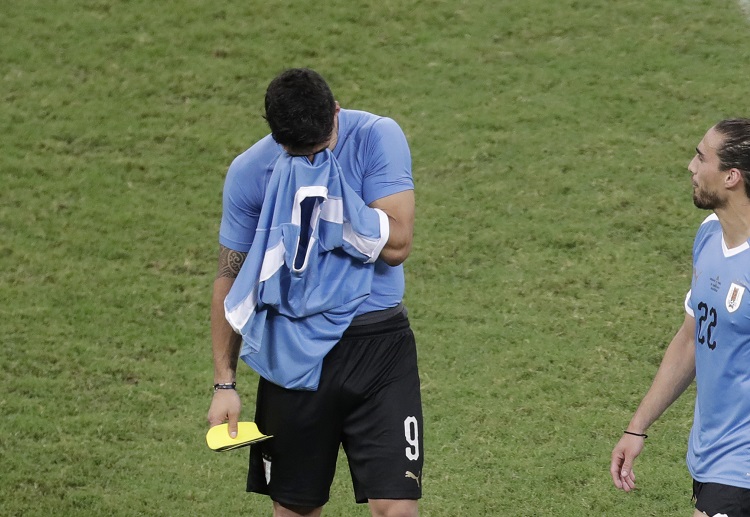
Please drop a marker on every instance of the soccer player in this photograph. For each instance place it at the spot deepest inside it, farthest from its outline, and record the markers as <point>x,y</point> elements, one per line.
<point>368,397</point>
<point>713,344</point>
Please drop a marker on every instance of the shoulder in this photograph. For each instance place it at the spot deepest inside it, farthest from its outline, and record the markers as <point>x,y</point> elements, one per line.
<point>363,122</point>
<point>248,175</point>
<point>709,228</point>
<point>257,159</point>
<point>710,224</point>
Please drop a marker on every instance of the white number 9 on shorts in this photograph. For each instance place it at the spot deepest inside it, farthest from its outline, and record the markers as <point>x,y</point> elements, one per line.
<point>411,432</point>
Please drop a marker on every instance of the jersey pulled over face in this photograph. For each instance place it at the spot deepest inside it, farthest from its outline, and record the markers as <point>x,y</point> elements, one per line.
<point>376,162</point>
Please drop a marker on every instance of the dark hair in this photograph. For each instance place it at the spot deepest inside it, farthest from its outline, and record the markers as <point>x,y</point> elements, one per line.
<point>735,148</point>
<point>300,109</point>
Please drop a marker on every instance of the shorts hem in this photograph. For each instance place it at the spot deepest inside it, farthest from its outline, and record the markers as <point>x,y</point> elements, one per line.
<point>287,500</point>
<point>400,496</point>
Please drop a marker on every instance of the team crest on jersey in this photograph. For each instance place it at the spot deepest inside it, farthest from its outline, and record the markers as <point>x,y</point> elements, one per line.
<point>734,297</point>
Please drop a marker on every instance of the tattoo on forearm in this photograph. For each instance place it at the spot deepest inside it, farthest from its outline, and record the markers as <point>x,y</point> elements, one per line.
<point>230,262</point>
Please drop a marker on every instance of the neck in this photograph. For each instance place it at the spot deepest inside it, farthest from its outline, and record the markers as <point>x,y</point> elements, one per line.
<point>735,222</point>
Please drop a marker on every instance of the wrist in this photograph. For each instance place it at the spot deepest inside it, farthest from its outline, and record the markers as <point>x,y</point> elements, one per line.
<point>637,425</point>
<point>225,376</point>
<point>225,386</point>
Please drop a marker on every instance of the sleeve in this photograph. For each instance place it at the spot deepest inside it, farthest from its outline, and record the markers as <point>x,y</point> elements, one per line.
<point>388,169</point>
<point>241,204</point>
<point>689,305</point>
<point>688,296</point>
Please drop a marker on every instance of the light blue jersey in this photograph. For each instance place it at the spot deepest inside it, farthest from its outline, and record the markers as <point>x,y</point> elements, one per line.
<point>309,269</point>
<point>719,446</point>
<point>375,159</point>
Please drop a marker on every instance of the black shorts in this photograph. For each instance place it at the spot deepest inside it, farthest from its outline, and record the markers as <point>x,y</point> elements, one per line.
<point>713,498</point>
<point>368,400</point>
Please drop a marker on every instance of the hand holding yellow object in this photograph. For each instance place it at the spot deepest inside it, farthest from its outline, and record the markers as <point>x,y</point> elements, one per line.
<point>218,438</point>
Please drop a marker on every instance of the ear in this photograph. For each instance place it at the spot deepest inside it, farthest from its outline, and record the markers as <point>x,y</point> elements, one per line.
<point>733,178</point>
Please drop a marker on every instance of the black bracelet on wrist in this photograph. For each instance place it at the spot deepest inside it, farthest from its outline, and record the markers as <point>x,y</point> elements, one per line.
<point>224,386</point>
<point>644,436</point>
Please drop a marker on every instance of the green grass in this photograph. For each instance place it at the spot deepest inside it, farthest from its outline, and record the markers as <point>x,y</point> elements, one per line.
<point>550,142</point>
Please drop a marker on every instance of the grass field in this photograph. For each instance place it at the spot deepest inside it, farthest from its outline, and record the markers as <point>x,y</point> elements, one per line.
<point>550,142</point>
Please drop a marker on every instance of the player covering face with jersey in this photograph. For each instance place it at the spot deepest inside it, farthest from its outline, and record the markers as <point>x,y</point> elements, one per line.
<point>368,396</point>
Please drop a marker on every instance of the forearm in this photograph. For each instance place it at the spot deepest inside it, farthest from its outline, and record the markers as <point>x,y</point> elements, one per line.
<point>398,247</point>
<point>400,211</point>
<point>676,372</point>
<point>225,342</point>
<point>225,404</point>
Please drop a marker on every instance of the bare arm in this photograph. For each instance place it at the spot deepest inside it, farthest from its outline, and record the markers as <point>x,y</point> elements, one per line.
<point>676,372</point>
<point>400,211</point>
<point>226,343</point>
<point>225,405</point>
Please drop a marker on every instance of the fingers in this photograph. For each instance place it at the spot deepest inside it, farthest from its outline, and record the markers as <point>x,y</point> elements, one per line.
<point>622,476</point>
<point>213,422</point>
<point>214,416</point>
<point>233,425</point>
<point>626,474</point>
<point>623,479</point>
<point>225,407</point>
<point>233,412</point>
<point>615,470</point>
<point>627,478</point>
<point>621,468</point>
